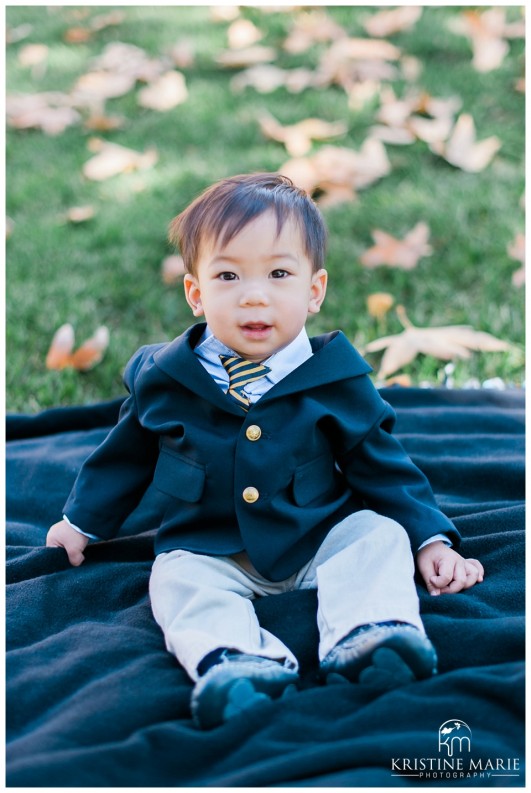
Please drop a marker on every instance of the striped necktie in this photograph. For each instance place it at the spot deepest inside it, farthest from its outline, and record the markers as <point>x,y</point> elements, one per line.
<point>240,373</point>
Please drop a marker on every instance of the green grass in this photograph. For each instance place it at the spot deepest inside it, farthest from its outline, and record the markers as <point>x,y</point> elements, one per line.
<point>107,270</point>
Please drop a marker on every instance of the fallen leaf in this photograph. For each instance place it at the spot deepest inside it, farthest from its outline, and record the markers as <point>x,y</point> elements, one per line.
<point>379,303</point>
<point>402,253</point>
<point>487,32</point>
<point>248,56</point>
<point>183,53</point>
<point>297,138</point>
<point>312,27</point>
<point>102,85</point>
<point>130,60</point>
<point>385,23</point>
<point>172,269</point>
<point>243,33</point>
<point>99,122</point>
<point>266,78</point>
<point>463,150</point>
<point>224,13</point>
<point>516,250</point>
<point>80,214</point>
<point>59,354</point>
<point>91,351</point>
<point>77,35</point>
<point>101,21</point>
<point>112,159</point>
<point>445,343</point>
<point>32,54</point>
<point>50,111</point>
<point>302,173</point>
<point>165,93</point>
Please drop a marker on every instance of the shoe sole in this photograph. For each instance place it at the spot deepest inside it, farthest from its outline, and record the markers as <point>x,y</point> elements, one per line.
<point>211,694</point>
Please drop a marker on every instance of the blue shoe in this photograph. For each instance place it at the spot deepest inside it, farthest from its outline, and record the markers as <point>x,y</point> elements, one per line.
<point>235,684</point>
<point>381,655</point>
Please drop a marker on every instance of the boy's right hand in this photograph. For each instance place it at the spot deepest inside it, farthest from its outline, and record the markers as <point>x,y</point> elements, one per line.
<point>62,535</point>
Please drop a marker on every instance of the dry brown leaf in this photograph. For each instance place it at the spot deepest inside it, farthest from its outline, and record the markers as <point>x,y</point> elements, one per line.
<point>312,27</point>
<point>403,126</point>
<point>266,78</point>
<point>339,172</point>
<point>172,269</point>
<point>80,214</point>
<point>102,85</point>
<point>112,159</point>
<point>385,23</point>
<point>297,138</point>
<point>402,253</point>
<point>224,13</point>
<point>59,354</point>
<point>487,32</point>
<point>99,122</point>
<point>165,93</point>
<point>183,53</point>
<point>445,343</point>
<point>32,55</point>
<point>91,351</point>
<point>516,250</point>
<point>463,150</point>
<point>430,130</point>
<point>101,21</point>
<point>249,56</point>
<point>128,59</point>
<point>49,111</point>
<point>77,35</point>
<point>243,33</point>
<point>379,303</point>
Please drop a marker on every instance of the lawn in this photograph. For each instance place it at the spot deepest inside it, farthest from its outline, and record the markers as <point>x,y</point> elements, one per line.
<point>107,270</point>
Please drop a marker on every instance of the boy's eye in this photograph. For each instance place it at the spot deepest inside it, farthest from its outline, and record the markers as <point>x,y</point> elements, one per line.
<point>227,276</point>
<point>279,274</point>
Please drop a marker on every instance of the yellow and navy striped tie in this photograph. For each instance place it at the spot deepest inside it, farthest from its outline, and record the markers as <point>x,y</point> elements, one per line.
<point>240,373</point>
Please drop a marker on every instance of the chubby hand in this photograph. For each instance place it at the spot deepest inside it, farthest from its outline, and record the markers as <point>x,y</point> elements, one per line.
<point>62,535</point>
<point>444,571</point>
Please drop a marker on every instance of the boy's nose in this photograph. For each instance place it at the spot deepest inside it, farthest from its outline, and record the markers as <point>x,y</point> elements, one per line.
<point>254,295</point>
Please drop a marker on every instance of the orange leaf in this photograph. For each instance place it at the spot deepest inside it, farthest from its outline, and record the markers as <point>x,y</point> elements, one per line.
<point>394,252</point>
<point>379,303</point>
<point>77,35</point>
<point>165,93</point>
<point>445,343</point>
<point>463,150</point>
<point>60,351</point>
<point>91,351</point>
<point>385,23</point>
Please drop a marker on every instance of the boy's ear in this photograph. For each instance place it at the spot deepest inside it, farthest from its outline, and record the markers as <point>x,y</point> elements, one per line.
<point>193,294</point>
<point>317,291</point>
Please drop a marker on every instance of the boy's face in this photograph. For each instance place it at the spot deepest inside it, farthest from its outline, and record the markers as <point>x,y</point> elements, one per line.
<point>257,291</point>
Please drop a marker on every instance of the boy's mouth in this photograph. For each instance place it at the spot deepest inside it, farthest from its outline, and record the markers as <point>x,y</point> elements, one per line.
<point>255,330</point>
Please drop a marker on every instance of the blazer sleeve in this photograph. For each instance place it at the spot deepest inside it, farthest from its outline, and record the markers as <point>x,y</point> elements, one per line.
<point>381,472</point>
<point>113,479</point>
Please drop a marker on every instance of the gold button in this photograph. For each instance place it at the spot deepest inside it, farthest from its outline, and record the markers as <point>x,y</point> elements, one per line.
<point>253,432</point>
<point>251,494</point>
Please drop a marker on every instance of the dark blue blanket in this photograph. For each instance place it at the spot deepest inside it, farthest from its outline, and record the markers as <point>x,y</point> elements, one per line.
<point>94,699</point>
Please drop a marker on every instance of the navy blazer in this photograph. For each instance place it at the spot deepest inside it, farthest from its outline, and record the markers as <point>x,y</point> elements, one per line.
<point>273,481</point>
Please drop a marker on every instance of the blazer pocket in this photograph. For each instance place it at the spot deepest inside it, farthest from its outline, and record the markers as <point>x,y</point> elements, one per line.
<point>313,479</point>
<point>179,476</point>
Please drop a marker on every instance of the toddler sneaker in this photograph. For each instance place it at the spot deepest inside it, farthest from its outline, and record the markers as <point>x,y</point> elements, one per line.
<point>382,655</point>
<point>236,683</point>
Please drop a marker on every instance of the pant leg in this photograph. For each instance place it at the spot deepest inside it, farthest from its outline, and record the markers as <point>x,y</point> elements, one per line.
<point>203,603</point>
<point>364,572</point>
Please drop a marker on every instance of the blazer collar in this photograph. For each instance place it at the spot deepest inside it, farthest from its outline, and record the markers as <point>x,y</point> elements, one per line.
<point>334,359</point>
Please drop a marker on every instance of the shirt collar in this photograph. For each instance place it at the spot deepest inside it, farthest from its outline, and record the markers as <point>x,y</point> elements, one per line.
<point>281,363</point>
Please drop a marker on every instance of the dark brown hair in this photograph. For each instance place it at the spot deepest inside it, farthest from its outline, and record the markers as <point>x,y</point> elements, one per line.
<point>223,209</point>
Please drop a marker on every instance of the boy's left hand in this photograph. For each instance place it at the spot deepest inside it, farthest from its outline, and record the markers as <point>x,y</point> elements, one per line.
<point>444,571</point>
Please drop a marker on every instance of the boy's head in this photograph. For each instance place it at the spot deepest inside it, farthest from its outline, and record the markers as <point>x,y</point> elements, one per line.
<point>253,247</point>
<point>222,210</point>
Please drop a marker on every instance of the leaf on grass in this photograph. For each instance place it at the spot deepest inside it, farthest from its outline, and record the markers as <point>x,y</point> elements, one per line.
<point>402,123</point>
<point>112,159</point>
<point>266,78</point>
<point>463,150</point>
<point>402,253</point>
<point>61,355</point>
<point>224,13</point>
<point>312,27</point>
<point>172,269</point>
<point>50,111</point>
<point>339,172</point>
<point>102,85</point>
<point>385,23</point>
<point>130,60</point>
<point>32,55</point>
<point>77,35</point>
<point>182,53</point>
<point>379,303</point>
<point>297,138</point>
<point>243,33</point>
<point>249,56</point>
<point>445,343</point>
<point>60,352</point>
<point>165,93</point>
<point>112,18</point>
<point>487,31</point>
<point>98,121</point>
<point>516,250</point>
<point>80,214</point>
